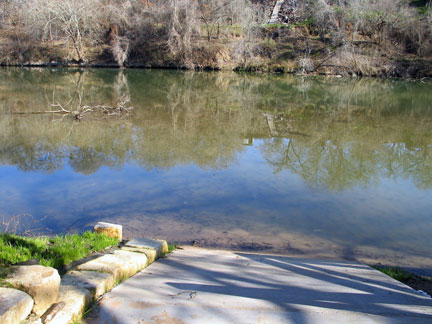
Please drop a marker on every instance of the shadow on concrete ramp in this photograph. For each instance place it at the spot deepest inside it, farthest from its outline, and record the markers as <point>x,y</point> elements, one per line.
<point>205,286</point>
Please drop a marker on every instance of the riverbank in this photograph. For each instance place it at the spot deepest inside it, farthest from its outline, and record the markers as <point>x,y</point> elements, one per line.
<point>294,49</point>
<point>326,60</point>
<point>366,38</point>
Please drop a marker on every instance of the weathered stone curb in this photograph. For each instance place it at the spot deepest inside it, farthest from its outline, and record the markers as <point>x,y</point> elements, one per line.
<point>62,302</point>
<point>76,299</point>
<point>121,264</point>
<point>15,305</point>
<point>153,249</point>
<point>98,283</point>
<point>41,283</point>
<point>150,254</point>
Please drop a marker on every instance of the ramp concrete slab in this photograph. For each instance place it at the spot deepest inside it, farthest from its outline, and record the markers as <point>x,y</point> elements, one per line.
<point>195,286</point>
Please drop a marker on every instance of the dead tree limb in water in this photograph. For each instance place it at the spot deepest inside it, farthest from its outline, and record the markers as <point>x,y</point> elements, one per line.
<point>83,111</point>
<point>120,110</point>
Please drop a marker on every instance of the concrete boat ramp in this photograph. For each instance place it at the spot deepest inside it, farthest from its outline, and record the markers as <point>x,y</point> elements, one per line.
<point>198,286</point>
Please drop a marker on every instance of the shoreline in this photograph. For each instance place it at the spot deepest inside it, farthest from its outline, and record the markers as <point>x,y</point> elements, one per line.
<point>253,69</point>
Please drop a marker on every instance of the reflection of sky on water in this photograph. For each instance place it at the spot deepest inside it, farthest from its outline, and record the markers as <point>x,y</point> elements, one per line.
<point>338,164</point>
<point>247,195</point>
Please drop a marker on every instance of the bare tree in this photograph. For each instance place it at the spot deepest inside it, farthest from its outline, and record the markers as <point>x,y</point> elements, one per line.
<point>73,20</point>
<point>250,18</point>
<point>212,14</point>
<point>327,18</point>
<point>184,26</point>
<point>120,49</point>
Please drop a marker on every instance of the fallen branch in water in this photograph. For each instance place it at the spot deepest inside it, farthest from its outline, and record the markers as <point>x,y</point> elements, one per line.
<point>83,111</point>
<point>120,109</point>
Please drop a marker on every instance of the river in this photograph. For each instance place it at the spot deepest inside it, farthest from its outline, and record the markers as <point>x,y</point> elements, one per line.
<point>312,166</point>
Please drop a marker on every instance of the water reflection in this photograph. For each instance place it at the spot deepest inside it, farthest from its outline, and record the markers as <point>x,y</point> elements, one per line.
<point>300,165</point>
<point>334,134</point>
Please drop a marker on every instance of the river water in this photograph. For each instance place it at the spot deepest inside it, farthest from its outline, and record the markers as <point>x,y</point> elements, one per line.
<point>301,166</point>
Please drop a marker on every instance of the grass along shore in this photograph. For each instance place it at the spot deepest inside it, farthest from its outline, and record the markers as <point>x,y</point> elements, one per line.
<point>410,279</point>
<point>56,252</point>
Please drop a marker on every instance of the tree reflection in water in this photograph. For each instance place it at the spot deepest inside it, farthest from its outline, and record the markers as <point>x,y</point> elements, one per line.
<point>335,134</point>
<point>314,166</point>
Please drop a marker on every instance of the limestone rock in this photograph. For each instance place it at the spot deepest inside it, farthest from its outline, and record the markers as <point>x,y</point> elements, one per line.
<point>41,283</point>
<point>75,299</point>
<point>151,254</point>
<point>98,283</point>
<point>122,264</point>
<point>111,230</point>
<point>164,246</point>
<point>160,246</point>
<point>15,305</point>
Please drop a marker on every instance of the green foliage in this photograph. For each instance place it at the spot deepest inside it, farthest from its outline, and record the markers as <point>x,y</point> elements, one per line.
<point>423,10</point>
<point>339,10</point>
<point>171,247</point>
<point>306,22</point>
<point>269,43</point>
<point>234,29</point>
<point>395,273</point>
<point>14,249</point>
<point>272,26</point>
<point>53,252</point>
<point>119,279</point>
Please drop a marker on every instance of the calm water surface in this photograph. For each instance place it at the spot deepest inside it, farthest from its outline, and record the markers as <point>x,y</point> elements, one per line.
<point>304,166</point>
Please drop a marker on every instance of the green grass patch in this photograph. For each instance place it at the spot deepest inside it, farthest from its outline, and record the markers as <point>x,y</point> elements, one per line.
<point>395,273</point>
<point>306,22</point>
<point>236,29</point>
<point>88,308</point>
<point>54,252</point>
<point>118,280</point>
<point>273,26</point>
<point>171,247</point>
<point>286,55</point>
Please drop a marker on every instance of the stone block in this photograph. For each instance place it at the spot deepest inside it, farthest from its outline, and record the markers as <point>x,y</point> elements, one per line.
<point>160,246</point>
<point>164,245</point>
<point>121,264</point>
<point>151,254</point>
<point>111,230</point>
<point>98,283</point>
<point>75,299</point>
<point>15,306</point>
<point>41,283</point>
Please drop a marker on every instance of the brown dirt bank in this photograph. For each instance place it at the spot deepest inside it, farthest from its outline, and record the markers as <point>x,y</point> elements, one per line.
<point>415,69</point>
<point>280,50</point>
